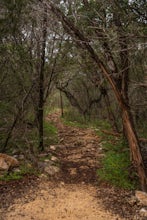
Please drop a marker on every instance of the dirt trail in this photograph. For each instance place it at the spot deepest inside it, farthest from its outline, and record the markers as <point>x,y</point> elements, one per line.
<point>69,202</point>
<point>79,153</point>
<point>72,194</point>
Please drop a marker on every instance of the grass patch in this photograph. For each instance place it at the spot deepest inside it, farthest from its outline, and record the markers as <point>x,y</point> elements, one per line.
<point>75,123</point>
<point>116,166</point>
<point>115,170</point>
<point>11,176</point>
<point>24,169</point>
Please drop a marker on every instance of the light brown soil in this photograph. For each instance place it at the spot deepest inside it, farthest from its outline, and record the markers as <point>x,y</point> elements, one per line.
<point>69,202</point>
<point>74,193</point>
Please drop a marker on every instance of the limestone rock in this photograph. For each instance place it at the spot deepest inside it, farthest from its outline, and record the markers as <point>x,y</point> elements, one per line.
<point>3,164</point>
<point>84,167</point>
<point>53,158</point>
<point>143,212</point>
<point>62,183</point>
<point>48,161</point>
<point>142,197</point>
<point>73,171</point>
<point>52,147</point>
<point>7,162</point>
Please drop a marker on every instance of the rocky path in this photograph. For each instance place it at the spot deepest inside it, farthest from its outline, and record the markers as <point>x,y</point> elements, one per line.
<point>79,153</point>
<point>74,192</point>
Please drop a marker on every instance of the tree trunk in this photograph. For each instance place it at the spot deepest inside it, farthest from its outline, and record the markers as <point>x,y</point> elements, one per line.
<point>135,149</point>
<point>130,132</point>
<point>41,82</point>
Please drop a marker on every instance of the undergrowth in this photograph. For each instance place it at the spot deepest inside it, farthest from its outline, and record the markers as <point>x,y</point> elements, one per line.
<point>74,119</point>
<point>24,169</point>
<point>18,144</point>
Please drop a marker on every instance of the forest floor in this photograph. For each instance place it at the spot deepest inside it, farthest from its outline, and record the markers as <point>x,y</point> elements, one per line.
<point>74,193</point>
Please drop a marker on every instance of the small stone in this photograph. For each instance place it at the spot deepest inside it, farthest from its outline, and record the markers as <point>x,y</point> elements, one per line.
<point>73,171</point>
<point>52,147</point>
<point>142,197</point>
<point>43,191</point>
<point>16,156</point>
<point>62,183</point>
<point>53,158</point>
<point>83,167</point>
<point>61,140</point>
<point>143,212</point>
<point>47,160</point>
